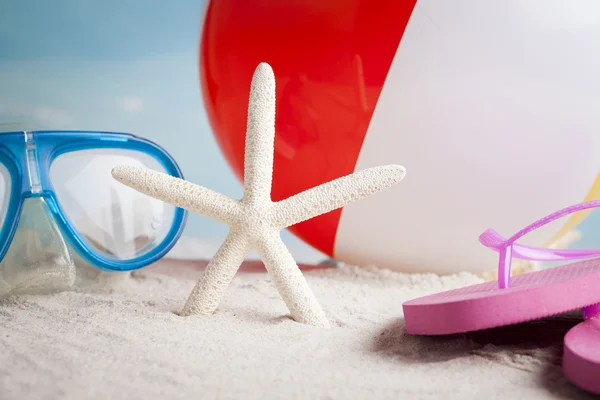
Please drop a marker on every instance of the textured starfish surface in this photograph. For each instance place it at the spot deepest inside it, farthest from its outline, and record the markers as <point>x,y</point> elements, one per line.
<point>255,221</point>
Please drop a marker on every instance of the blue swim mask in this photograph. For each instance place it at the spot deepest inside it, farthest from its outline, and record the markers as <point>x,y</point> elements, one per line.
<point>57,195</point>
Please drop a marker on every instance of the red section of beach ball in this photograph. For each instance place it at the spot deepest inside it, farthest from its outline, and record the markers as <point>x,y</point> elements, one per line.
<point>330,61</point>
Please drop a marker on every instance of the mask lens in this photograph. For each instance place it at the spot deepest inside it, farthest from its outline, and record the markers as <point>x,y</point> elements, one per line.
<point>5,186</point>
<point>116,221</point>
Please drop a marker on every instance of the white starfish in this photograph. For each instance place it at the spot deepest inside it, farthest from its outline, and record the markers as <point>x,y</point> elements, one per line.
<point>255,221</point>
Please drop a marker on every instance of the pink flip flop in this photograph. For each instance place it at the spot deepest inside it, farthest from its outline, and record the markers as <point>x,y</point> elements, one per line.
<point>524,298</point>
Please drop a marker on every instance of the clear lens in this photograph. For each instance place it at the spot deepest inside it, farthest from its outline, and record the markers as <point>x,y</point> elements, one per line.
<point>116,221</point>
<point>5,186</point>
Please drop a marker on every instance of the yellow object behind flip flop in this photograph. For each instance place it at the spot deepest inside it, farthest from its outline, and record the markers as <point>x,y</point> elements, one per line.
<point>577,218</point>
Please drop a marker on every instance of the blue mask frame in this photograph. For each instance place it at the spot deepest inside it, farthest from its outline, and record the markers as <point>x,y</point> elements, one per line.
<point>18,150</point>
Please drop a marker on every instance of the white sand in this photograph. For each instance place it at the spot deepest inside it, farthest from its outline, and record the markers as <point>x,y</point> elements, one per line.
<point>120,339</point>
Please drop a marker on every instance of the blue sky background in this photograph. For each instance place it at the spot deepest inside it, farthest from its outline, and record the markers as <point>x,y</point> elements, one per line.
<point>118,65</point>
<point>125,65</point>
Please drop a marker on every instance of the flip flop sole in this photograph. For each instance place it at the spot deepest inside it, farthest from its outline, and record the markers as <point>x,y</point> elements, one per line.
<point>581,356</point>
<point>531,296</point>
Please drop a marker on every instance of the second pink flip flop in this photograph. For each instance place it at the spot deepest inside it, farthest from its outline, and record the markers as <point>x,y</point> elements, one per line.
<point>524,298</point>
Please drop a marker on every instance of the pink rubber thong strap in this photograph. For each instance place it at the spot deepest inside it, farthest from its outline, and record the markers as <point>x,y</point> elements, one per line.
<point>509,249</point>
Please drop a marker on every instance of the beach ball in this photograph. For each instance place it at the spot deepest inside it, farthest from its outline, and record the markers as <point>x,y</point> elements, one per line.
<point>492,106</point>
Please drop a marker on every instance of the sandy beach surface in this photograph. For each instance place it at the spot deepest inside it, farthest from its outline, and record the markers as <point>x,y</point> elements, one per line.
<point>118,336</point>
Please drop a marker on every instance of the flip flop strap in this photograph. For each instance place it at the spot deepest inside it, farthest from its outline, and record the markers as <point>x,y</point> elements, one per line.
<point>507,248</point>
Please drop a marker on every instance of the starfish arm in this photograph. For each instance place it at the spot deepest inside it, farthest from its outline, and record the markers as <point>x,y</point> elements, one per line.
<point>260,136</point>
<point>335,194</point>
<point>290,282</point>
<point>209,290</point>
<point>178,192</point>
